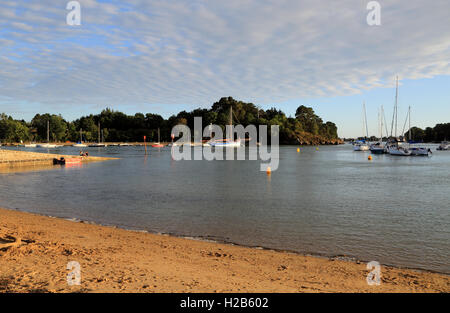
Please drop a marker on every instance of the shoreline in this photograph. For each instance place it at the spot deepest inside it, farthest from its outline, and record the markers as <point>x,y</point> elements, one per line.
<point>346,258</point>
<point>168,263</point>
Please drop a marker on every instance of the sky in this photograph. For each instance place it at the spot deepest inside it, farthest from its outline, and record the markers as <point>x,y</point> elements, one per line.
<point>163,57</point>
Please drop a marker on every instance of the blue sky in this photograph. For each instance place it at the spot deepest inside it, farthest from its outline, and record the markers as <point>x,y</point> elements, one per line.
<point>166,56</point>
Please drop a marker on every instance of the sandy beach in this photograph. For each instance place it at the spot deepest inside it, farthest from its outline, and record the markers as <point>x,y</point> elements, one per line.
<point>35,251</point>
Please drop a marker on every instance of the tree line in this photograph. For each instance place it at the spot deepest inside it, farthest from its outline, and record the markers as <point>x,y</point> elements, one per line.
<point>438,133</point>
<point>120,127</point>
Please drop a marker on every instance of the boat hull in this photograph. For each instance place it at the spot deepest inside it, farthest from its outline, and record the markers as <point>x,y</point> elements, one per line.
<point>227,144</point>
<point>399,152</point>
<point>419,151</point>
<point>361,148</point>
<point>377,150</point>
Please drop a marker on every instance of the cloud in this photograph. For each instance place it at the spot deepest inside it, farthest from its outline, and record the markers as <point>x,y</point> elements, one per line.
<point>193,52</point>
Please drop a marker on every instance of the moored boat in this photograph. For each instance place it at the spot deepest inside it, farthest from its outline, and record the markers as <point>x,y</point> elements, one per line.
<point>67,161</point>
<point>80,144</point>
<point>158,144</point>
<point>445,145</point>
<point>225,143</point>
<point>229,142</point>
<point>361,146</point>
<point>420,151</point>
<point>378,148</point>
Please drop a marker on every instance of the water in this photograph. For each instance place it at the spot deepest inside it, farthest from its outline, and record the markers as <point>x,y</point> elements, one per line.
<point>333,201</point>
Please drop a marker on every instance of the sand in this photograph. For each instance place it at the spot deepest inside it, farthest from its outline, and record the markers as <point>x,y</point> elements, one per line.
<point>10,159</point>
<point>35,251</point>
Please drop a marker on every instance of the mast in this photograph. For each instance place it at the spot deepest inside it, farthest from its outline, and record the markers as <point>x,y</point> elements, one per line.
<point>81,135</point>
<point>380,124</point>
<point>394,113</point>
<point>231,123</point>
<point>409,114</point>
<point>48,131</point>
<point>158,136</point>
<point>365,121</point>
<point>384,118</point>
<point>396,107</point>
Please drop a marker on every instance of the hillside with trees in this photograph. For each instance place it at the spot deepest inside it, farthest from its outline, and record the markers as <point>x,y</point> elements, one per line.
<point>305,128</point>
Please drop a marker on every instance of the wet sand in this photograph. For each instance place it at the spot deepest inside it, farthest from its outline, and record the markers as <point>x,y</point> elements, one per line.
<point>35,250</point>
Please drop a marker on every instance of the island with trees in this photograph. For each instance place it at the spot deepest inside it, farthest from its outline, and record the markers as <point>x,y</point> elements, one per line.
<point>305,128</point>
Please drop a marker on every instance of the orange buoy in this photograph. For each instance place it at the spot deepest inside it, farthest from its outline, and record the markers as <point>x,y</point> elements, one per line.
<point>268,170</point>
<point>370,158</point>
<point>298,149</point>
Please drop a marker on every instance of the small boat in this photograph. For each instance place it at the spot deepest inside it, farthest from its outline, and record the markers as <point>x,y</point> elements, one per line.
<point>444,146</point>
<point>97,145</point>
<point>46,145</point>
<point>30,145</point>
<point>361,145</point>
<point>158,144</point>
<point>225,143</point>
<point>378,148</point>
<point>100,143</point>
<point>420,151</point>
<point>125,144</point>
<point>64,161</point>
<point>80,144</point>
<point>398,149</point>
<point>229,142</point>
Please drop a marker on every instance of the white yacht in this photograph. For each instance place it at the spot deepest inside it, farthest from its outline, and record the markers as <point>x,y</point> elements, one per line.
<point>445,145</point>
<point>80,144</point>
<point>362,145</point>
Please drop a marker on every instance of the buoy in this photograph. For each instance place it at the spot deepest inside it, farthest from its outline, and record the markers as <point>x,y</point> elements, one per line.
<point>298,149</point>
<point>317,148</point>
<point>269,170</point>
<point>370,158</point>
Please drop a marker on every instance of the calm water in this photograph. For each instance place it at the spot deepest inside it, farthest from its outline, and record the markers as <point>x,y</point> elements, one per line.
<point>394,210</point>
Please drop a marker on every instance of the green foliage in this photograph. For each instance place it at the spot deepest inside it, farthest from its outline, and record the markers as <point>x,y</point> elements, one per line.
<point>13,131</point>
<point>57,127</point>
<point>438,133</point>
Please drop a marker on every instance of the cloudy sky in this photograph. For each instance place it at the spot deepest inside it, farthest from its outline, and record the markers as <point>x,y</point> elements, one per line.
<point>166,56</point>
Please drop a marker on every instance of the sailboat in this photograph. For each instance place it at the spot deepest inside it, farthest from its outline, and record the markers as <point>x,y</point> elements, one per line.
<point>445,145</point>
<point>80,144</point>
<point>361,145</point>
<point>419,151</point>
<point>379,147</point>
<point>99,144</point>
<point>158,144</point>
<point>229,142</point>
<point>47,145</point>
<point>395,145</point>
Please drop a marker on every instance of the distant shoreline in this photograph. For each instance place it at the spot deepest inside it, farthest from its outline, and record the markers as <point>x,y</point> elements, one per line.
<point>118,260</point>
